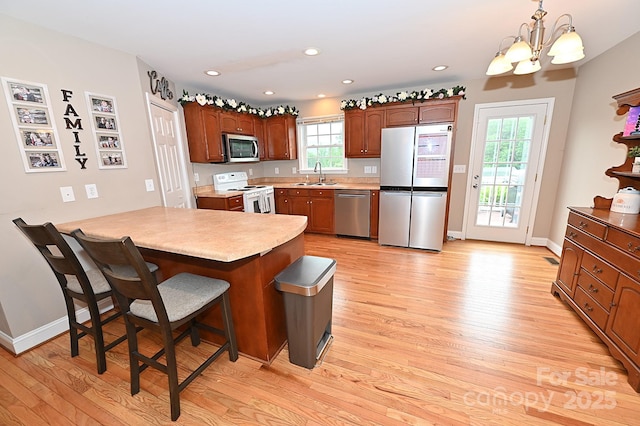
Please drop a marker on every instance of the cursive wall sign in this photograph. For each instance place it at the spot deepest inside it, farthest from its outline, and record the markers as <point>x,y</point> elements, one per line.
<point>81,157</point>
<point>160,86</point>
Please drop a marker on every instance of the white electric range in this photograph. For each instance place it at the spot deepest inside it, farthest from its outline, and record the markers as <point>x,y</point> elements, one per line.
<point>256,198</point>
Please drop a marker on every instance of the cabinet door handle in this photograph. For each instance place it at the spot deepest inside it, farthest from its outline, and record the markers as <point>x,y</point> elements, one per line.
<point>582,225</point>
<point>572,234</point>
<point>587,307</point>
<point>597,270</point>
<point>592,289</point>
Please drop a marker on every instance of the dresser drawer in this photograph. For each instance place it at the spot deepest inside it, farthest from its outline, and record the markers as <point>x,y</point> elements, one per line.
<point>590,307</point>
<point>589,226</point>
<point>600,269</point>
<point>597,290</point>
<point>298,192</point>
<point>626,242</point>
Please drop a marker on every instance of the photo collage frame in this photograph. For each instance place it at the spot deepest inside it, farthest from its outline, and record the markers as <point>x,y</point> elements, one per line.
<point>32,117</point>
<point>106,130</point>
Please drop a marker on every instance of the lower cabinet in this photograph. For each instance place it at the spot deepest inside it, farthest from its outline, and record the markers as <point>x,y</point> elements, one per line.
<point>374,215</point>
<point>599,277</point>
<point>315,204</point>
<point>235,203</point>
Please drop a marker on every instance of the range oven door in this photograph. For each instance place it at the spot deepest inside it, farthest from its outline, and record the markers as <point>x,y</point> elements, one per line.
<point>262,201</point>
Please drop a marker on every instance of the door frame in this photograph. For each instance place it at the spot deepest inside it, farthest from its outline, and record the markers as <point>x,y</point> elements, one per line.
<point>546,131</point>
<point>173,109</point>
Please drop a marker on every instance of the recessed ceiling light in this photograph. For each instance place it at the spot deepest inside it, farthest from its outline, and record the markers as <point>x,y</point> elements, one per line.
<point>347,81</point>
<point>322,95</point>
<point>269,92</point>
<point>440,67</point>
<point>312,51</point>
<point>212,72</point>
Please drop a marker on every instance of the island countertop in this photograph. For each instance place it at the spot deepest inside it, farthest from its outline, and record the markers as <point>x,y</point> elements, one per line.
<point>209,234</point>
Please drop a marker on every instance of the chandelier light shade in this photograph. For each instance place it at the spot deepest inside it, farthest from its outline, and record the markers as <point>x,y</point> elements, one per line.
<point>566,46</point>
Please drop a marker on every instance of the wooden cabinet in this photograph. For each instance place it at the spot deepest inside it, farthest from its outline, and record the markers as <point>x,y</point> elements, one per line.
<point>204,136</point>
<point>599,277</point>
<point>438,112</point>
<point>374,214</point>
<point>363,132</point>
<point>316,204</point>
<point>237,123</point>
<point>605,289</point>
<point>258,129</point>
<point>280,133</point>
<point>402,115</point>
<point>234,203</point>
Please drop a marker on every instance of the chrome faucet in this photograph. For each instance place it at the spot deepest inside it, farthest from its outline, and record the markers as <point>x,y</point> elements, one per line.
<point>315,170</point>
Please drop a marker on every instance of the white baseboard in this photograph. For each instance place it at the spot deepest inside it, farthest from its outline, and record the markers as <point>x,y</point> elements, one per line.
<point>539,241</point>
<point>557,249</point>
<point>40,335</point>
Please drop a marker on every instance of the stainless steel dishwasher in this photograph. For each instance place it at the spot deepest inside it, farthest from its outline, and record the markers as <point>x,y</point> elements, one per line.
<point>352,207</point>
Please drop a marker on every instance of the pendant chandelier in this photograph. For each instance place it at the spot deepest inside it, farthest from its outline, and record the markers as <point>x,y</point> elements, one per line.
<point>566,46</point>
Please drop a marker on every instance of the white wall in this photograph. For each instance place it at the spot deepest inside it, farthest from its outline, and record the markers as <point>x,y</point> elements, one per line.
<point>590,150</point>
<point>30,296</point>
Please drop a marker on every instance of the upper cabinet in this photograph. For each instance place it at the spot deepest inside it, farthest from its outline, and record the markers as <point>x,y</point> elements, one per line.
<point>280,133</point>
<point>363,132</point>
<point>237,123</point>
<point>204,135</point>
<point>363,128</point>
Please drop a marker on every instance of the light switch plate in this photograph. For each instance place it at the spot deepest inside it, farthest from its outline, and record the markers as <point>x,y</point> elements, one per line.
<point>367,169</point>
<point>293,170</point>
<point>92,190</point>
<point>250,172</point>
<point>277,170</point>
<point>149,184</point>
<point>459,168</point>
<point>196,177</point>
<point>67,194</point>
<point>374,169</point>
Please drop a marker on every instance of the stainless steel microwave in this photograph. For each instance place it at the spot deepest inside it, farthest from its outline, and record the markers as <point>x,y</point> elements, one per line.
<point>241,148</point>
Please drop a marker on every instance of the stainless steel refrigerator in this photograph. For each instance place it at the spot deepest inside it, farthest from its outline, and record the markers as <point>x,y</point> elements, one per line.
<point>414,185</point>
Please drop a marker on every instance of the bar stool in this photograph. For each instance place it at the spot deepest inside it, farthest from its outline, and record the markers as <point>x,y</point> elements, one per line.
<point>88,286</point>
<point>161,307</point>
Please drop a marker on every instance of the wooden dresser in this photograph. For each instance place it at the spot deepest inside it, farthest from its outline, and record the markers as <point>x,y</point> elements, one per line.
<point>599,277</point>
<point>599,273</point>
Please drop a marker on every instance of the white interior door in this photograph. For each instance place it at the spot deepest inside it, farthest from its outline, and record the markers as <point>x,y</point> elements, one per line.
<point>174,184</point>
<point>509,140</point>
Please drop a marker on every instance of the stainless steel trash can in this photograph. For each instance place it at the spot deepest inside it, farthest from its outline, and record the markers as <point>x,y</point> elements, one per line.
<point>307,287</point>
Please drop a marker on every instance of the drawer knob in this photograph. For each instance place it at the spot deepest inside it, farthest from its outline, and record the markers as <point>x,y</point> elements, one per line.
<point>587,307</point>
<point>597,270</point>
<point>592,289</point>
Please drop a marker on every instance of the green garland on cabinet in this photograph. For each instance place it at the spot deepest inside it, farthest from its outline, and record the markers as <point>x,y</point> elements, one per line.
<point>233,105</point>
<point>422,95</point>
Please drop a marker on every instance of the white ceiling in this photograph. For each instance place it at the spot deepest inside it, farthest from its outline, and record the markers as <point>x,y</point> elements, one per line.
<point>257,44</point>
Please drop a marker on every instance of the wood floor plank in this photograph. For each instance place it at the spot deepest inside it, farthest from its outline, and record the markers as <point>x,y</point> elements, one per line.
<point>468,336</point>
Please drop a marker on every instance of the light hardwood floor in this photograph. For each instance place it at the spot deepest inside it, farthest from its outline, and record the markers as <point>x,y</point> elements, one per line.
<point>469,336</point>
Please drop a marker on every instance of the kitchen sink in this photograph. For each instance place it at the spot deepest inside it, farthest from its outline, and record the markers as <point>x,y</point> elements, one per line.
<point>315,183</point>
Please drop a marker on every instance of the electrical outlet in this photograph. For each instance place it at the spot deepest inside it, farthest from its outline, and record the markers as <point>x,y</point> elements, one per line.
<point>459,168</point>
<point>374,169</point>
<point>250,172</point>
<point>277,170</point>
<point>293,170</point>
<point>149,184</point>
<point>196,177</point>
<point>67,194</point>
<point>92,190</point>
<point>367,169</point>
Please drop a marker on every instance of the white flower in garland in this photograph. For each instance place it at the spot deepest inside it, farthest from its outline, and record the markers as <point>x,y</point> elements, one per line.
<point>201,99</point>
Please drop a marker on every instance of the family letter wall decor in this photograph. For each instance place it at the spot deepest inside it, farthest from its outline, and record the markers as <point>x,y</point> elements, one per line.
<point>106,129</point>
<point>32,117</point>
<point>73,123</point>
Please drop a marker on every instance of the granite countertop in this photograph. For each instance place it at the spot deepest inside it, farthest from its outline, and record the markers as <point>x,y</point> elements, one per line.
<point>208,191</point>
<point>209,234</point>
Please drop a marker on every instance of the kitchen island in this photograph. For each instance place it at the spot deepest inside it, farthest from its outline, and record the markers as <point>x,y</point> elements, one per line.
<point>247,250</point>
